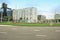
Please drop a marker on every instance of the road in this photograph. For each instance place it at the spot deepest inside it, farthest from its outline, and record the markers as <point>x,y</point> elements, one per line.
<point>29,33</point>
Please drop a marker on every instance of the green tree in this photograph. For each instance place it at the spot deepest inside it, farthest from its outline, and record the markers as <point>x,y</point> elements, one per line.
<point>8,18</point>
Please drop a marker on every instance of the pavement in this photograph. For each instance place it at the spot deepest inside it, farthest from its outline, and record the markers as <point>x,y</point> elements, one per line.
<point>29,33</point>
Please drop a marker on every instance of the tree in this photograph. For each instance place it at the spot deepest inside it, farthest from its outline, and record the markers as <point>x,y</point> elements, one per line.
<point>1,16</point>
<point>8,18</point>
<point>5,12</point>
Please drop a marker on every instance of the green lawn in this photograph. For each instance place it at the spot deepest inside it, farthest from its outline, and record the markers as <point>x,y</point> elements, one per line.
<point>26,24</point>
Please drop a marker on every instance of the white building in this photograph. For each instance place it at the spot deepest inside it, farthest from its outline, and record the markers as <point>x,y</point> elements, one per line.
<point>57,18</point>
<point>25,15</point>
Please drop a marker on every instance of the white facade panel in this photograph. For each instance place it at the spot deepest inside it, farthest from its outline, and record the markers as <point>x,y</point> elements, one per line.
<point>26,14</point>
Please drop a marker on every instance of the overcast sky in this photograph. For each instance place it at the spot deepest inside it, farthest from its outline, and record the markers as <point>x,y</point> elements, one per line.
<point>45,7</point>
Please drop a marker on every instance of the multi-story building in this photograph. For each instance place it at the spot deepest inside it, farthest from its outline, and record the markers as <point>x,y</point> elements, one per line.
<point>25,15</point>
<point>57,18</point>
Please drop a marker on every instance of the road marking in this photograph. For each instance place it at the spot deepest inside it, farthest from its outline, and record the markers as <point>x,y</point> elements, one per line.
<point>57,30</point>
<point>36,30</point>
<point>14,28</point>
<point>41,35</point>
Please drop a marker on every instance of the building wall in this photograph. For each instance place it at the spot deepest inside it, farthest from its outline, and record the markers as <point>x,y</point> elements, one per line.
<point>57,18</point>
<point>25,15</point>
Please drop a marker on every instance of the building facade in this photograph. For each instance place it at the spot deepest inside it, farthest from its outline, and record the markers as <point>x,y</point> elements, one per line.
<point>57,18</point>
<point>25,15</point>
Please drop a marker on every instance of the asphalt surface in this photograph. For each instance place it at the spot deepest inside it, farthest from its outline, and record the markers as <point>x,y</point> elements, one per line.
<point>29,33</point>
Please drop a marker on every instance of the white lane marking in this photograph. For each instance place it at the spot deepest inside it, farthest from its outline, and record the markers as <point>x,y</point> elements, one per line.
<point>36,30</point>
<point>57,30</point>
<point>41,35</point>
<point>14,28</point>
<point>4,32</point>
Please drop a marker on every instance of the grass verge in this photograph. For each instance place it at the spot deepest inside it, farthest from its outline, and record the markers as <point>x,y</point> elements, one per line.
<point>27,24</point>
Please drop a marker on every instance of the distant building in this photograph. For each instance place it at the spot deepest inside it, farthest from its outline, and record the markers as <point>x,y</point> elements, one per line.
<point>25,15</point>
<point>57,18</point>
<point>41,18</point>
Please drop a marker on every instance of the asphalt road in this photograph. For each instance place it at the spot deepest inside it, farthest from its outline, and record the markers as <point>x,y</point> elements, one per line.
<point>29,33</point>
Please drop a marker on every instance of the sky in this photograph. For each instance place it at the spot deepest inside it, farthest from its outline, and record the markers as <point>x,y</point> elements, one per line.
<point>44,7</point>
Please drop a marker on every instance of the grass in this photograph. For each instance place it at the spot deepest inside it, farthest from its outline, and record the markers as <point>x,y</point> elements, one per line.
<point>56,24</point>
<point>31,24</point>
<point>27,24</point>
